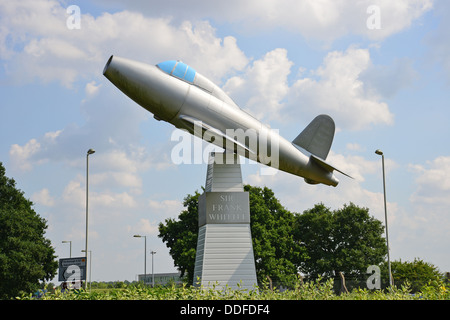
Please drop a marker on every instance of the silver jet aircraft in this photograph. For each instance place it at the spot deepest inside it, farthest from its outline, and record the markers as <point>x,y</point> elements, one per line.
<point>174,92</point>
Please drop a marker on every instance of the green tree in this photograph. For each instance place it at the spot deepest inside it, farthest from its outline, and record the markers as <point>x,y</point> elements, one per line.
<point>274,246</point>
<point>347,240</point>
<point>417,273</point>
<point>271,225</point>
<point>181,236</point>
<point>26,256</point>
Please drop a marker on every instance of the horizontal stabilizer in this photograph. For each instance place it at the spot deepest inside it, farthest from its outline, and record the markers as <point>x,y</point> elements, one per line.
<point>326,165</point>
<point>193,122</point>
<point>317,137</point>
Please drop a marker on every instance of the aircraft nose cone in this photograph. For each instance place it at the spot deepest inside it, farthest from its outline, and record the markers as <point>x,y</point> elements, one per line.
<point>107,65</point>
<point>156,91</point>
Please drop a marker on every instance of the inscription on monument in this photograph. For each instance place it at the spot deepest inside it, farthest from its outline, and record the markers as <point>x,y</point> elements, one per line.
<point>224,207</point>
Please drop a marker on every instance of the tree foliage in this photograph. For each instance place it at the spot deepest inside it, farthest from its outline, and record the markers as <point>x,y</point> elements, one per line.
<point>317,242</point>
<point>271,228</point>
<point>416,274</point>
<point>181,236</point>
<point>347,240</point>
<point>274,246</point>
<point>26,256</point>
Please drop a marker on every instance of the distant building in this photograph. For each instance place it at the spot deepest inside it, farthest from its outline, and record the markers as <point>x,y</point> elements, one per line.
<point>161,278</point>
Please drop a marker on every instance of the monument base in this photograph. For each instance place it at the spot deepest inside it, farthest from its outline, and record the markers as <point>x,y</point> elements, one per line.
<point>224,255</point>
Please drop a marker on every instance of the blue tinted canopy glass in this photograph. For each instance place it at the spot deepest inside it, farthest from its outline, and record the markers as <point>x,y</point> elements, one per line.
<point>178,69</point>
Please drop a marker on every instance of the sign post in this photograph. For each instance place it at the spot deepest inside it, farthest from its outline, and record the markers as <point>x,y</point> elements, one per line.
<point>72,271</point>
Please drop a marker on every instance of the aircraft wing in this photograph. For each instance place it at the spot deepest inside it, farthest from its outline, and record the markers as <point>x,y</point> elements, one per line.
<point>193,122</point>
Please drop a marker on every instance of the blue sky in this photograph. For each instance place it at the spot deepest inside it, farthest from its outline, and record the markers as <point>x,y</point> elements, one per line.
<point>386,86</point>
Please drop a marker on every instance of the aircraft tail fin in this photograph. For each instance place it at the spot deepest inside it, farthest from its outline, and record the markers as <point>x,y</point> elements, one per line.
<point>317,137</point>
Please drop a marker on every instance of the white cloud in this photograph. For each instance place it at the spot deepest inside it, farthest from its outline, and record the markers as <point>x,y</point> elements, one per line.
<point>439,50</point>
<point>433,182</point>
<point>422,228</point>
<point>145,227</point>
<point>112,200</point>
<point>111,171</point>
<point>33,152</point>
<point>355,166</point>
<point>43,198</point>
<point>92,88</point>
<point>20,155</point>
<point>324,20</point>
<point>335,88</point>
<point>354,147</point>
<point>57,48</point>
<point>111,178</point>
<point>75,194</point>
<point>112,129</point>
<point>263,85</point>
<point>168,208</point>
<point>36,43</point>
<point>212,56</point>
<point>395,16</point>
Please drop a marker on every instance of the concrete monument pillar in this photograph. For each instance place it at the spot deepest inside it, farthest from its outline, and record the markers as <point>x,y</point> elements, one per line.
<point>224,247</point>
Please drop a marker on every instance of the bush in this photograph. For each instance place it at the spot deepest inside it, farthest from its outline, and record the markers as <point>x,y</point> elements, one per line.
<point>312,290</point>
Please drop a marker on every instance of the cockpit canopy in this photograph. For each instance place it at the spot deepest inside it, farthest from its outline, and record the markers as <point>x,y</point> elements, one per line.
<point>178,69</point>
<point>184,72</point>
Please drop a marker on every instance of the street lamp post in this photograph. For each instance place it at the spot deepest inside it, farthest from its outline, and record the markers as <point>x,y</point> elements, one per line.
<point>90,151</point>
<point>145,255</point>
<point>380,153</point>
<point>153,274</point>
<point>69,242</point>
<point>90,269</point>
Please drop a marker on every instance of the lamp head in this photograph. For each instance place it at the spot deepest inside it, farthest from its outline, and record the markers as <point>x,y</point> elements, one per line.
<point>379,152</point>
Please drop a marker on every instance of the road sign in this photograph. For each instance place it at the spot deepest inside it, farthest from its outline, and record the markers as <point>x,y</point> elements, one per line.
<point>72,269</point>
